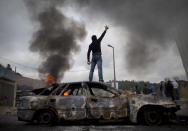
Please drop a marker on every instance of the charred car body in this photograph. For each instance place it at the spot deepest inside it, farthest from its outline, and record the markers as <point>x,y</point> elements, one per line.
<point>94,101</point>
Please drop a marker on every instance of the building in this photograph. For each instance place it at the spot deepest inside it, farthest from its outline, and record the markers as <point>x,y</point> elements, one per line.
<point>8,85</point>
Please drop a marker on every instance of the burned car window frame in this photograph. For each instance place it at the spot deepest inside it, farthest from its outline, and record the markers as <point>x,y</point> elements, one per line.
<point>103,87</point>
<point>72,89</point>
<point>51,89</point>
<point>46,89</point>
<point>102,93</point>
<point>54,93</point>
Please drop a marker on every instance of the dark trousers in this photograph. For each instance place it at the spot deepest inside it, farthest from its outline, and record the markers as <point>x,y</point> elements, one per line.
<point>96,60</point>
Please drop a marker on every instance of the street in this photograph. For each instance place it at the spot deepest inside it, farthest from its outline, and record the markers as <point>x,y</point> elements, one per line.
<point>10,123</point>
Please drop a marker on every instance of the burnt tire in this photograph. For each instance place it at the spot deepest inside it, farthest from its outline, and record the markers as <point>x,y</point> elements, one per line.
<point>46,117</point>
<point>153,116</point>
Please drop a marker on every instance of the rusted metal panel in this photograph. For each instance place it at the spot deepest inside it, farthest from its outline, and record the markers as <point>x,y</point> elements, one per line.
<point>71,107</point>
<point>107,108</point>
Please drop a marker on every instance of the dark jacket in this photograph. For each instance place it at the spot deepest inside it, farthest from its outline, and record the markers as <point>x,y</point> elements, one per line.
<point>95,46</point>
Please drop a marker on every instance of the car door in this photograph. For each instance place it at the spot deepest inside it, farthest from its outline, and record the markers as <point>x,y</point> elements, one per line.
<point>104,103</point>
<point>72,106</point>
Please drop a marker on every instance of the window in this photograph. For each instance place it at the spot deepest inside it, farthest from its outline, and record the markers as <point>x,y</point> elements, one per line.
<point>47,91</point>
<point>60,88</point>
<point>99,92</point>
<point>73,89</point>
<point>75,92</point>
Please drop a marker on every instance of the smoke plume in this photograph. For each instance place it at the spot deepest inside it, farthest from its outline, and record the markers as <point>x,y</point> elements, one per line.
<point>150,23</point>
<point>56,36</point>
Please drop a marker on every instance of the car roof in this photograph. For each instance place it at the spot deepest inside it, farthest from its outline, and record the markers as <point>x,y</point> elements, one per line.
<point>93,82</point>
<point>88,82</point>
<point>79,82</point>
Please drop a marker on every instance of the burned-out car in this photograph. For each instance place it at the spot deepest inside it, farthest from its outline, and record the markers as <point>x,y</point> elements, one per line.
<point>94,101</point>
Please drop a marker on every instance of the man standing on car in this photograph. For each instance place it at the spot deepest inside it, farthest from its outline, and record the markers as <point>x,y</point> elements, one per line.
<point>95,47</point>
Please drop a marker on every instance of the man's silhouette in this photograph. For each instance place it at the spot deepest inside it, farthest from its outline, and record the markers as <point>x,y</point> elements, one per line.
<point>95,47</point>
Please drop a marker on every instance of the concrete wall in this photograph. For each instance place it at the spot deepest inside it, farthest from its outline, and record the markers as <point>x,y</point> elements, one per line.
<point>7,93</point>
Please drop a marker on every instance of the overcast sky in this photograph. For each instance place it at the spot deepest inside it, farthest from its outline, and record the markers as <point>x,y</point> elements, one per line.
<point>16,30</point>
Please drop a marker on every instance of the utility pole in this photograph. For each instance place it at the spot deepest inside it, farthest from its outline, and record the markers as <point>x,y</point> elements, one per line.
<point>114,66</point>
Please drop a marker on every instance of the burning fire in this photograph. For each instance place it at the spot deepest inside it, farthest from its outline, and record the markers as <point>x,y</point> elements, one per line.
<point>66,94</point>
<point>50,79</point>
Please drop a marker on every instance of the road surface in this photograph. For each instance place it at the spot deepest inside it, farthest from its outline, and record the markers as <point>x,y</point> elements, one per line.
<point>10,123</point>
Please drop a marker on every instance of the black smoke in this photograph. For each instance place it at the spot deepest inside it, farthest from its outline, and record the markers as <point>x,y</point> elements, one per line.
<point>151,25</point>
<point>56,36</point>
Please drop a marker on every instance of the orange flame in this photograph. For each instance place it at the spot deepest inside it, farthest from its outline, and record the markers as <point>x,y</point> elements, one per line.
<point>50,79</point>
<point>66,94</point>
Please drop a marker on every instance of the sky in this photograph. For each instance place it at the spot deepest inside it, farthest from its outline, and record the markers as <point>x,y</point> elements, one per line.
<point>17,29</point>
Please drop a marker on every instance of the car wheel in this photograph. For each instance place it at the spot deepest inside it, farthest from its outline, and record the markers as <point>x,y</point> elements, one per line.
<point>46,117</point>
<point>153,116</point>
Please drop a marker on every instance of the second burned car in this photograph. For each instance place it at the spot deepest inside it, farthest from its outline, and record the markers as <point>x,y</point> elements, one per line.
<point>94,101</point>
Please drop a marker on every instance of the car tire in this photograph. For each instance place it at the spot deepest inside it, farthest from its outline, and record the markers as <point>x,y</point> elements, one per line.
<point>153,116</point>
<point>46,117</point>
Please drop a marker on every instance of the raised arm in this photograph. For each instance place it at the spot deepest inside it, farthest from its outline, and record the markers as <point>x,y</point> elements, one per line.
<point>103,34</point>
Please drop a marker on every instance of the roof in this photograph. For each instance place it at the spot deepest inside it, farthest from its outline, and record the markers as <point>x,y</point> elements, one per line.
<point>8,74</point>
<point>79,82</point>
